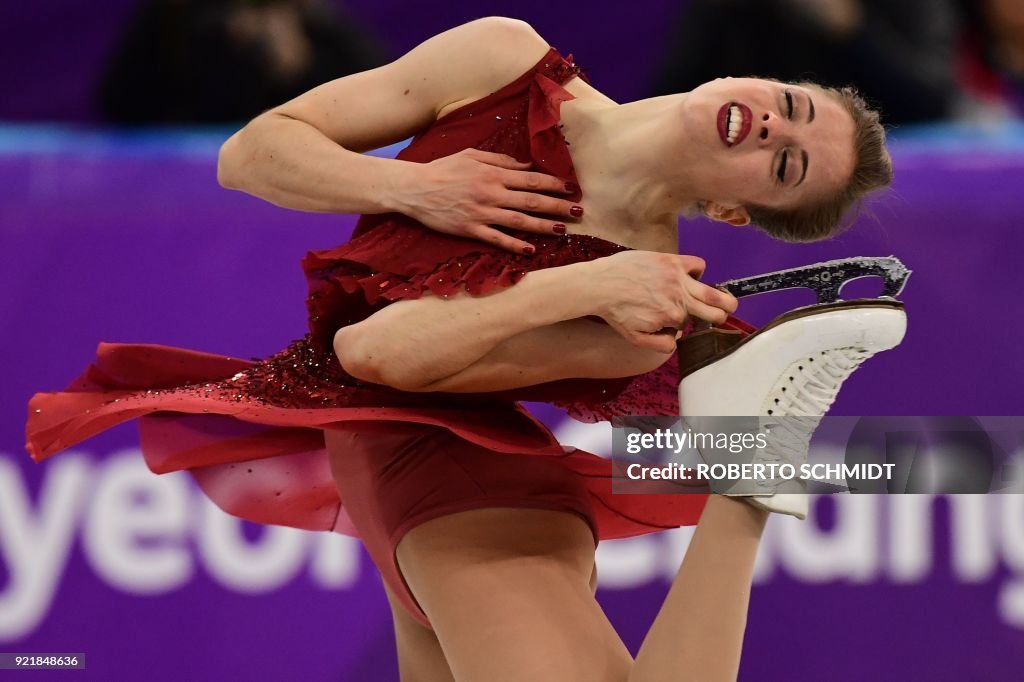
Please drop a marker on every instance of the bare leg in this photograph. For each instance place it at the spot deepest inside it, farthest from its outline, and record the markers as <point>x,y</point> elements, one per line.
<point>420,658</point>
<point>698,634</point>
<point>508,592</point>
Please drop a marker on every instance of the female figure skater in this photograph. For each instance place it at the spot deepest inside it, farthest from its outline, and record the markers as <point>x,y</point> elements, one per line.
<point>426,328</point>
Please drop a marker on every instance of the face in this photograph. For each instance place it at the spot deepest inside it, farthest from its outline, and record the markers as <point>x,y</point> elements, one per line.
<point>771,144</point>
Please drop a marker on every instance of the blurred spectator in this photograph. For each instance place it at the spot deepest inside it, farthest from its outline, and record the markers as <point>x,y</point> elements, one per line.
<point>992,59</point>
<point>228,60</point>
<point>899,53</point>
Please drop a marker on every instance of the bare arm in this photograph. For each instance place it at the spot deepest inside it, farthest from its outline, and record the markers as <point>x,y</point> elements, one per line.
<point>413,344</point>
<point>565,350</point>
<point>306,153</point>
<point>531,333</point>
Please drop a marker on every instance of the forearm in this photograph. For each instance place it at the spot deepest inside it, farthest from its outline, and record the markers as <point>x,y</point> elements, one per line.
<point>574,349</point>
<point>413,344</point>
<point>292,164</point>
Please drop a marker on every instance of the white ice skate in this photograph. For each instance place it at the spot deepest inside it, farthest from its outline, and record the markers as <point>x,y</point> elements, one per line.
<point>789,372</point>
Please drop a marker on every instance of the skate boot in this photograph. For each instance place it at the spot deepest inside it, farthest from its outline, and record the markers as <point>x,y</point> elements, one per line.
<point>788,373</point>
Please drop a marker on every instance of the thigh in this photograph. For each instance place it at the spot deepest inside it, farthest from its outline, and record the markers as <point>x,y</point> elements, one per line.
<point>508,593</point>
<point>420,658</point>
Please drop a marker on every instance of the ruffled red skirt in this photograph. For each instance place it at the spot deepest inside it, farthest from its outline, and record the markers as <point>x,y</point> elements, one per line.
<point>262,459</point>
<point>251,433</point>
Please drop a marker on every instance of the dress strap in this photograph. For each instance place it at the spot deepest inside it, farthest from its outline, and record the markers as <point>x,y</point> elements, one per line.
<point>560,69</point>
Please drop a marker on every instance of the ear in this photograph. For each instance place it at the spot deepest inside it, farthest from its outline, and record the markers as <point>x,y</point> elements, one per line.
<point>736,216</point>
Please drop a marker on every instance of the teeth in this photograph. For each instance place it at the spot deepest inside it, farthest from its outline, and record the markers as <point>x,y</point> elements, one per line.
<point>734,121</point>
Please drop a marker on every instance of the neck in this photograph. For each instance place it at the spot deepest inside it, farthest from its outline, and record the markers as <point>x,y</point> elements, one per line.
<point>633,156</point>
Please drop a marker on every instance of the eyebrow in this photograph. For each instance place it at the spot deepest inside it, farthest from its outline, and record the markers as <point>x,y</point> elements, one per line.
<point>803,156</point>
<point>810,107</point>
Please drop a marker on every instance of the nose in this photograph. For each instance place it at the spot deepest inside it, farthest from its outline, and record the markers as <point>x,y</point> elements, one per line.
<point>772,127</point>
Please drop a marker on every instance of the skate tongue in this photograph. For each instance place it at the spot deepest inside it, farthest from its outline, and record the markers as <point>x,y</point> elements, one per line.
<point>825,279</point>
<point>697,349</point>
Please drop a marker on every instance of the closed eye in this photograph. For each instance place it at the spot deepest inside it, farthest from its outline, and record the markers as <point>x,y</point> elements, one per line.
<point>782,167</point>
<point>789,105</point>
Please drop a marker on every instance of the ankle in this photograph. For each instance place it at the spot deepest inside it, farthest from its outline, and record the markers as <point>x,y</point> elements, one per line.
<point>737,512</point>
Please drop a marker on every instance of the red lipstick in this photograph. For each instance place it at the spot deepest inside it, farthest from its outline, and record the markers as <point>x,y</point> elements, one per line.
<point>745,116</point>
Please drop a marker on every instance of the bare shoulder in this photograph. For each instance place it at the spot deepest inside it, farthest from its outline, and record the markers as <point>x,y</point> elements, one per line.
<point>388,104</point>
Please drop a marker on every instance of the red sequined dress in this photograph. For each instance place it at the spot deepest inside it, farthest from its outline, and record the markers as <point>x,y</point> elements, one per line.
<point>211,415</point>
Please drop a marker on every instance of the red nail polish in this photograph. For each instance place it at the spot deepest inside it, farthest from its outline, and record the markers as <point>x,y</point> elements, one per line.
<point>559,228</point>
<point>572,187</point>
<point>576,211</point>
<point>528,250</point>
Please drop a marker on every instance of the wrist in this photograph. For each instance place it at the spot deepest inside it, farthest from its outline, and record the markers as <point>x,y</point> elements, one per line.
<point>585,285</point>
<point>402,177</point>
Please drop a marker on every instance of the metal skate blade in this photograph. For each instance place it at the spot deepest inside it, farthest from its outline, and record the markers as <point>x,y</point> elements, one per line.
<point>825,279</point>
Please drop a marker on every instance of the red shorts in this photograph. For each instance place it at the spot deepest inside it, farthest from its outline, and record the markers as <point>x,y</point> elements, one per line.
<point>392,480</point>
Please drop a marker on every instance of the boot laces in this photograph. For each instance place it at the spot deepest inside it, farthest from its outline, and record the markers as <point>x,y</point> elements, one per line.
<point>807,391</point>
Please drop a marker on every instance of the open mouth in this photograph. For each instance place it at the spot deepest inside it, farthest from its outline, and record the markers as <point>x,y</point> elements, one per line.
<point>734,122</point>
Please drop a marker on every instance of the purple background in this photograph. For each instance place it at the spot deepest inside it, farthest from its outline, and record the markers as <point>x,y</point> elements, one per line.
<point>55,51</point>
<point>127,237</point>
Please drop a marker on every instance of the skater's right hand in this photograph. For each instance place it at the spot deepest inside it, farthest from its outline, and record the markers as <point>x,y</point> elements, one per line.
<point>471,193</point>
<point>646,296</point>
